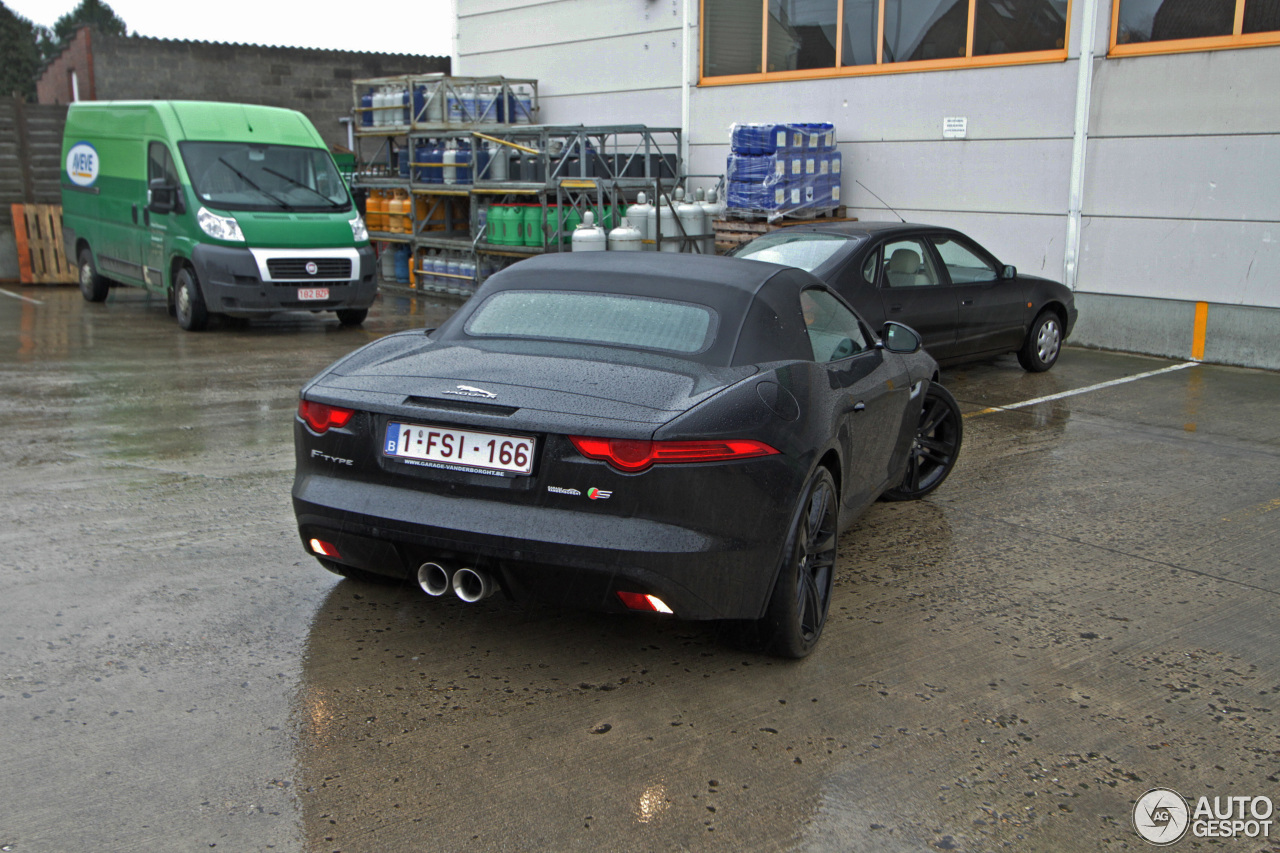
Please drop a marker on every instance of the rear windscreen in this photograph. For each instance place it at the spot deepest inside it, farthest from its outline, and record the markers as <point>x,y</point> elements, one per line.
<point>595,318</point>
<point>805,250</point>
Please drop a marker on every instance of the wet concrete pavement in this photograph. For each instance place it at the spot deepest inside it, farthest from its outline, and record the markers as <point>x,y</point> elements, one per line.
<point>1084,611</point>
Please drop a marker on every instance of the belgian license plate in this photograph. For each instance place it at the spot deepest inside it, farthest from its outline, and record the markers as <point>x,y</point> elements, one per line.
<point>309,293</point>
<point>438,446</point>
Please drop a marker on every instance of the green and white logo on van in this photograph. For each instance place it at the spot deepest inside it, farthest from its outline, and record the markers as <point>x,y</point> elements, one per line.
<point>82,164</point>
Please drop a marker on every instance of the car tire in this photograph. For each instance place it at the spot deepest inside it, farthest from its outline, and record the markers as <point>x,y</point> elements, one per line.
<point>797,609</point>
<point>352,316</point>
<point>934,447</point>
<point>188,302</point>
<point>1043,344</point>
<point>93,286</point>
<point>360,575</point>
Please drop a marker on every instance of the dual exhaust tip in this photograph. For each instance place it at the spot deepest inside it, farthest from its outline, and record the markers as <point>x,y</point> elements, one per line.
<point>470,585</point>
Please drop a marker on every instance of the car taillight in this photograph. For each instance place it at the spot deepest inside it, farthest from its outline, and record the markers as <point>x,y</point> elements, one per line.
<point>633,455</point>
<point>321,417</point>
<point>641,601</point>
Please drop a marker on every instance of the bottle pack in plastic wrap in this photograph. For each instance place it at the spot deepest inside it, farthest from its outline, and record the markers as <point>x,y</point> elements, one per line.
<point>783,169</point>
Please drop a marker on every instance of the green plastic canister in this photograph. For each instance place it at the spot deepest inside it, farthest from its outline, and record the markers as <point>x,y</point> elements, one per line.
<point>532,219</point>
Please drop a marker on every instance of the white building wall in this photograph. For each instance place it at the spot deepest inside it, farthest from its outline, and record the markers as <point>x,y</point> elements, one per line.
<point>1182,181</point>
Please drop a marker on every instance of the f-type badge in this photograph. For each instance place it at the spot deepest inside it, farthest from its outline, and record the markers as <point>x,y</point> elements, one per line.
<point>472,391</point>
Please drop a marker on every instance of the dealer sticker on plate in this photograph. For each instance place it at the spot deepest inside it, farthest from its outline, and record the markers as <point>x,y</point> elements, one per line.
<point>457,448</point>
<point>310,293</point>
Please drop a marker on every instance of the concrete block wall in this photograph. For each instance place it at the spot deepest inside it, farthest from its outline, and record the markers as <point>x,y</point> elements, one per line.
<point>314,82</point>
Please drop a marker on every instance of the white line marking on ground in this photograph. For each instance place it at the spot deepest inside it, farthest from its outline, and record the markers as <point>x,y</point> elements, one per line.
<point>1084,390</point>
<point>20,296</point>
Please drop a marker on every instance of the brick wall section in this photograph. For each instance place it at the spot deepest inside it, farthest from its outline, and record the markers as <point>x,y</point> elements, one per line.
<point>54,85</point>
<point>317,83</point>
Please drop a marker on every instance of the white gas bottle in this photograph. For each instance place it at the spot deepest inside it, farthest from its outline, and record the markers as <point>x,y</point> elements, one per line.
<point>450,164</point>
<point>625,238</point>
<point>699,195</point>
<point>499,160</point>
<point>714,209</point>
<point>641,216</point>
<point>588,237</point>
<point>679,194</point>
<point>666,219</point>
<point>694,222</point>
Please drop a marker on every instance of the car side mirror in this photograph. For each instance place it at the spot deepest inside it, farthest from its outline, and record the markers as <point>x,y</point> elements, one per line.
<point>1009,271</point>
<point>901,339</point>
<point>162,197</point>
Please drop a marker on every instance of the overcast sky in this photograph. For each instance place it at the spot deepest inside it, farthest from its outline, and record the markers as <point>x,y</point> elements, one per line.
<point>417,27</point>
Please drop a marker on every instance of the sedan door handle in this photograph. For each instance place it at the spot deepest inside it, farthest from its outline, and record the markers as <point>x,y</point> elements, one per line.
<point>964,302</point>
<point>895,307</point>
<point>859,406</point>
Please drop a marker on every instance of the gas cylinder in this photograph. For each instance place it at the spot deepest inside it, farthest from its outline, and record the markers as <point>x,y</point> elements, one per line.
<point>625,238</point>
<point>693,221</point>
<point>375,211</point>
<point>366,111</point>
<point>714,209</point>
<point>498,161</point>
<point>462,174</point>
<point>387,263</point>
<point>496,225</point>
<point>641,215</point>
<point>450,159</point>
<point>587,237</point>
<point>402,265</point>
<point>531,220</point>
<point>668,229</point>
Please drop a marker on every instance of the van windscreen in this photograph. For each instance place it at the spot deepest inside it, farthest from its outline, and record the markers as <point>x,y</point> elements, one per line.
<point>244,176</point>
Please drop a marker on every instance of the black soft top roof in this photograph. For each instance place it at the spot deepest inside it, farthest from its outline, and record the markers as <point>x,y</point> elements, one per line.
<point>747,296</point>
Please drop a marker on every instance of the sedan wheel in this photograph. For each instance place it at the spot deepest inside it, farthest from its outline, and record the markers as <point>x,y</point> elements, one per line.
<point>1043,343</point>
<point>802,594</point>
<point>934,448</point>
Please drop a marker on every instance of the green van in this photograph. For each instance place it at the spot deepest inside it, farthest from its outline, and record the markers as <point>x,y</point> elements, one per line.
<point>221,208</point>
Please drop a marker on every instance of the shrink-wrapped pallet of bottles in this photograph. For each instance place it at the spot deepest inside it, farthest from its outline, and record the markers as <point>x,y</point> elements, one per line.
<point>776,170</point>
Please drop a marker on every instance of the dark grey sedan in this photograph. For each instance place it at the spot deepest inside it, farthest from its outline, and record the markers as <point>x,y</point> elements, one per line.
<point>956,294</point>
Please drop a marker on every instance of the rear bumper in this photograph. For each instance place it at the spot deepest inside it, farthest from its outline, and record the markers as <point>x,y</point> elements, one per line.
<point>570,557</point>
<point>232,283</point>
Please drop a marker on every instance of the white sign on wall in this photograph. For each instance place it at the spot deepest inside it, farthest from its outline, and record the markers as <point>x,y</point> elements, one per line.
<point>955,127</point>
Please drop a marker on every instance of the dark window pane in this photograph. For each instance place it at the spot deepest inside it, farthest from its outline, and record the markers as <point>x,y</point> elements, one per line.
<point>733,38</point>
<point>802,34</point>
<point>925,29</point>
<point>1153,20</point>
<point>1015,26</point>
<point>1261,16</point>
<point>860,28</point>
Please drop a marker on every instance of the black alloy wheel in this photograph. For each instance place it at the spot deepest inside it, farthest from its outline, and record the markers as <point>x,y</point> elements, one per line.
<point>934,447</point>
<point>93,287</point>
<point>1043,344</point>
<point>188,302</point>
<point>797,610</point>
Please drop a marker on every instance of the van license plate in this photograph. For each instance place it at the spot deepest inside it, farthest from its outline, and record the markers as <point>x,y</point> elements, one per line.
<point>306,293</point>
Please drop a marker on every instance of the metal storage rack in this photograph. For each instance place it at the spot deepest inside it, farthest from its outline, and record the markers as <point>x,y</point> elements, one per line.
<point>568,169</point>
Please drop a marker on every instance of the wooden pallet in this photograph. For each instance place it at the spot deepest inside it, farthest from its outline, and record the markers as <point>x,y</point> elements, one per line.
<point>734,232</point>
<point>37,230</point>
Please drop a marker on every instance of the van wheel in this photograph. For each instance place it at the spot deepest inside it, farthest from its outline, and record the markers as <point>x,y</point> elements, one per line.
<point>188,302</point>
<point>352,316</point>
<point>92,286</point>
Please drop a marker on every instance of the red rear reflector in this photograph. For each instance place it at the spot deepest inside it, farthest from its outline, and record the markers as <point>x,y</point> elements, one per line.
<point>321,417</point>
<point>325,549</point>
<point>632,455</point>
<point>640,601</point>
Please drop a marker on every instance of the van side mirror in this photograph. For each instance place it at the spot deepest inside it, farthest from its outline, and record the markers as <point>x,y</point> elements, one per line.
<point>1009,271</point>
<point>162,197</point>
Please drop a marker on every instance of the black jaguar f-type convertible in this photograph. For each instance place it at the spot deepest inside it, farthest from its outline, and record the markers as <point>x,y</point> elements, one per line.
<point>624,431</point>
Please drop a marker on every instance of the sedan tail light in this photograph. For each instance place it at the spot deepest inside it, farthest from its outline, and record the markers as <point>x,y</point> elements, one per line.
<point>632,455</point>
<point>321,417</point>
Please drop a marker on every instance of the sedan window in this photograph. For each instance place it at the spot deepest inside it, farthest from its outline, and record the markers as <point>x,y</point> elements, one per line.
<point>908,263</point>
<point>963,264</point>
<point>804,250</point>
<point>834,330</point>
<point>595,318</point>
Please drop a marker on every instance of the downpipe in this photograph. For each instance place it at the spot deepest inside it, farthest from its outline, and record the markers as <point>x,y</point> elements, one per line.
<point>472,585</point>
<point>434,579</point>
